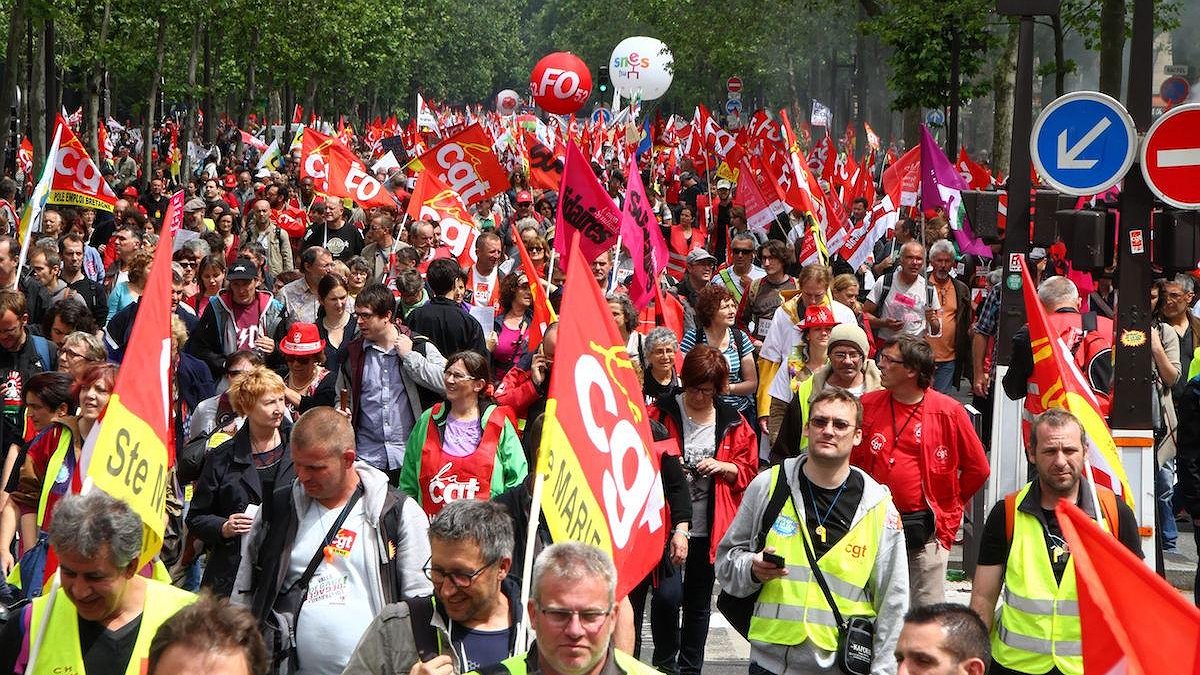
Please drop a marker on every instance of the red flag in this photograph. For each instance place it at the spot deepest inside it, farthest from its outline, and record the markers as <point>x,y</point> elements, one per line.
<point>434,200</point>
<point>976,177</point>
<point>130,452</point>
<point>545,165</point>
<point>466,162</point>
<point>25,156</point>
<point>585,211</point>
<point>902,178</point>
<point>77,180</point>
<point>328,161</point>
<point>760,211</point>
<point>1132,621</point>
<point>543,312</point>
<point>602,480</point>
<point>642,238</point>
<point>298,114</point>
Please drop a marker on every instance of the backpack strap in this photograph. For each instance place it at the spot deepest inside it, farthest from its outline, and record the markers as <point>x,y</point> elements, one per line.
<point>780,493</point>
<point>1087,321</point>
<point>1108,507</point>
<point>425,636</point>
<point>42,346</point>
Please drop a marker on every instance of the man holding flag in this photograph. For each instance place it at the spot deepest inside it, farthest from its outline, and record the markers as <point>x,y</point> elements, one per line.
<point>1022,551</point>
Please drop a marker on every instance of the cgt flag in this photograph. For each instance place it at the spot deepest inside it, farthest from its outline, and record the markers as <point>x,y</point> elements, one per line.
<point>1057,383</point>
<point>129,454</point>
<point>77,180</point>
<point>466,163</point>
<point>602,479</point>
<point>1132,621</point>
<point>435,201</point>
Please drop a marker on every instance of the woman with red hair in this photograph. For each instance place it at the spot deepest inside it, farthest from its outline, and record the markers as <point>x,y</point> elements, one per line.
<point>719,450</point>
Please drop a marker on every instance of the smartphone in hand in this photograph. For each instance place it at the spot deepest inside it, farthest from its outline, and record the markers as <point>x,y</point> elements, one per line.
<point>774,559</point>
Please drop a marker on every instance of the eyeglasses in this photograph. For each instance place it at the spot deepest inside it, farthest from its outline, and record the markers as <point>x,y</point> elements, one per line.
<point>703,391</point>
<point>459,579</point>
<point>187,263</point>
<point>363,316</point>
<point>845,356</point>
<point>70,354</point>
<point>821,422</point>
<point>590,619</point>
<point>742,251</point>
<point>884,358</point>
<point>452,376</point>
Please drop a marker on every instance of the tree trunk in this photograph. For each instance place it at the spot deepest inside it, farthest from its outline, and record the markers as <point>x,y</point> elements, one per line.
<point>911,121</point>
<point>189,116</point>
<point>251,89</point>
<point>1060,60</point>
<point>12,64</point>
<point>793,92</point>
<point>37,98</point>
<point>95,81</point>
<point>1112,46</point>
<point>160,51</point>
<point>860,91</point>
<point>1003,83</point>
<point>210,110</point>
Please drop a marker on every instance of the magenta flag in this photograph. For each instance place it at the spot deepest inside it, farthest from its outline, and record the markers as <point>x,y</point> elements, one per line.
<point>643,239</point>
<point>942,185</point>
<point>585,211</point>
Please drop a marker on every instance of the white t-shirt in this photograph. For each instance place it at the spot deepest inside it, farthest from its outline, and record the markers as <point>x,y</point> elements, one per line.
<point>783,336</point>
<point>339,606</point>
<point>484,288</point>
<point>905,302</point>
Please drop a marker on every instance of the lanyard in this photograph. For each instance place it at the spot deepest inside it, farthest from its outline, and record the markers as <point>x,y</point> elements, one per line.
<point>896,433</point>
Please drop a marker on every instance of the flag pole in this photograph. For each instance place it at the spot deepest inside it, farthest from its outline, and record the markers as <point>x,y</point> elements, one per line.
<point>1087,470</point>
<point>535,518</point>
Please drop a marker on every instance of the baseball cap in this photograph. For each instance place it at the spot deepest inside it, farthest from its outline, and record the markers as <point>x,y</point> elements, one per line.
<point>242,269</point>
<point>230,181</point>
<point>699,255</point>
<point>523,197</point>
<point>1037,253</point>
<point>724,184</point>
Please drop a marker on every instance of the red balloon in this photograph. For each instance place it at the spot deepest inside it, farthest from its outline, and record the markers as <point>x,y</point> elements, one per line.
<point>561,83</point>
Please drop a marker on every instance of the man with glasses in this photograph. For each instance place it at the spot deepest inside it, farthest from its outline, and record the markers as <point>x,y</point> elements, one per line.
<point>572,609</point>
<point>372,558</point>
<point>843,519</point>
<point>387,371</point>
<point>902,303</point>
<point>740,272</point>
<point>923,447</point>
<point>470,621</point>
<point>300,295</point>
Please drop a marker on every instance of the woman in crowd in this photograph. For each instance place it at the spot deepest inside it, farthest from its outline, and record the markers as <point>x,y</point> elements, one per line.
<point>719,449</point>
<point>240,474</point>
<point>211,275</point>
<point>765,295</point>
<point>52,452</point>
<point>806,358</point>
<point>660,378</point>
<point>80,350</point>
<point>465,448</point>
<point>681,239</point>
<point>358,272</point>
<point>126,293</point>
<point>626,317</point>
<point>336,324</point>
<point>512,325</point>
<point>539,254</point>
<point>304,351</point>
<point>715,314</point>
<point>188,262</point>
<point>229,237</point>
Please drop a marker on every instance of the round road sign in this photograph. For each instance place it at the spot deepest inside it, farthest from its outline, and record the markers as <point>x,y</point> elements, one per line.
<point>1083,143</point>
<point>733,84</point>
<point>1175,90</point>
<point>1171,157</point>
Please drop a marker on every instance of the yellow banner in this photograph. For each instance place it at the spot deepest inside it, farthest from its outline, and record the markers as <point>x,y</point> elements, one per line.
<point>129,462</point>
<point>70,198</point>
<point>571,510</point>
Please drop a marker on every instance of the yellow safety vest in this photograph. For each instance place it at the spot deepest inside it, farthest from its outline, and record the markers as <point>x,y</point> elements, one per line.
<point>60,651</point>
<point>518,665</point>
<point>1038,625</point>
<point>793,608</point>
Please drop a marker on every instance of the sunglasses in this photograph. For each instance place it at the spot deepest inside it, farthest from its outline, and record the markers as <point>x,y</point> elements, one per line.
<point>743,251</point>
<point>822,422</point>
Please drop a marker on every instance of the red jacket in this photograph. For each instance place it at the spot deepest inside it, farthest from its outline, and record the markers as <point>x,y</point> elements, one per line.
<point>736,442</point>
<point>953,464</point>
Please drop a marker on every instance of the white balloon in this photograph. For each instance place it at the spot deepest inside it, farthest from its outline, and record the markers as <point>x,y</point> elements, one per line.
<point>507,102</point>
<point>641,66</point>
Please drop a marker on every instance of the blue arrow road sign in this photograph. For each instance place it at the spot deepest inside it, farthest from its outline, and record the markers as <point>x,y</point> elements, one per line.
<point>602,115</point>
<point>1083,143</point>
<point>733,106</point>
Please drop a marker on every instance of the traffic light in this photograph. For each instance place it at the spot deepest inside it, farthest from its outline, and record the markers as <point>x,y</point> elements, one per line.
<point>603,82</point>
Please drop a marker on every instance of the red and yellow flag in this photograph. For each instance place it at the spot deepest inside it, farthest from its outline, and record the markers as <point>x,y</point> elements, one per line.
<point>1061,385</point>
<point>1131,620</point>
<point>466,162</point>
<point>433,200</point>
<point>129,455</point>
<point>334,166</point>
<point>602,484</point>
<point>543,312</point>
<point>77,180</point>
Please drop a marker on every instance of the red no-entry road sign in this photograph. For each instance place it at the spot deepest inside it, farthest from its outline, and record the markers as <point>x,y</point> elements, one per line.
<point>733,84</point>
<point>1171,157</point>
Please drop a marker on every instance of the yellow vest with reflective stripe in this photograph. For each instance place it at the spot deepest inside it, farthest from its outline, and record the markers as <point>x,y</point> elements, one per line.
<point>793,608</point>
<point>60,651</point>
<point>518,665</point>
<point>1038,625</point>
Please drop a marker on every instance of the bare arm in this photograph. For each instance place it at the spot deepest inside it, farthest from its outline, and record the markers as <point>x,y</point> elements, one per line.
<point>985,591</point>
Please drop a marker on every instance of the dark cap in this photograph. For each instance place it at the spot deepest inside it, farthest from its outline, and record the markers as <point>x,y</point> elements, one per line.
<point>242,269</point>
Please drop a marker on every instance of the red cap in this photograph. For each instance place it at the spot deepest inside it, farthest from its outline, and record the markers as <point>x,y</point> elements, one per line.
<point>130,192</point>
<point>302,340</point>
<point>523,197</point>
<point>230,181</point>
<point>817,316</point>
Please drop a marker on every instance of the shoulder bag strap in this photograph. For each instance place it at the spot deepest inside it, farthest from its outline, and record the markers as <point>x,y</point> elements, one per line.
<point>302,582</point>
<point>779,494</point>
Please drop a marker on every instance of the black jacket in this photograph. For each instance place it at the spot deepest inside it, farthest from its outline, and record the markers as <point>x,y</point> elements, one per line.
<point>448,327</point>
<point>227,485</point>
<point>93,294</point>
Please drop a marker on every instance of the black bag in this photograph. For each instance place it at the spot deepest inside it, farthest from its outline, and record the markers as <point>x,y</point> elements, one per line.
<point>737,611</point>
<point>918,528</point>
<point>856,635</point>
<point>279,625</point>
<point>189,460</point>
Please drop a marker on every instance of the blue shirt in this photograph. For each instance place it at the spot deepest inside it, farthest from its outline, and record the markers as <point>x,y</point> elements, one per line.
<point>385,415</point>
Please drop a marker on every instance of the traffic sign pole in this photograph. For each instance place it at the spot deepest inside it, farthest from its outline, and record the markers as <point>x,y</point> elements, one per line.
<point>1130,415</point>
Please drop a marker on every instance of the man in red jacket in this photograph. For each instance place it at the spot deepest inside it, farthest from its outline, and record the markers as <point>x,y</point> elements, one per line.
<point>921,444</point>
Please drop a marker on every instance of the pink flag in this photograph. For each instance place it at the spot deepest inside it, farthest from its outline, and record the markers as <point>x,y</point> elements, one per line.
<point>584,208</point>
<point>642,238</point>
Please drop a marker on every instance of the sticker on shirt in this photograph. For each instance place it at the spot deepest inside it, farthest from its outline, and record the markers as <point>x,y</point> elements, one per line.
<point>342,543</point>
<point>941,459</point>
<point>917,432</point>
<point>905,300</point>
<point>11,392</point>
<point>785,526</point>
<point>877,442</point>
<point>328,589</point>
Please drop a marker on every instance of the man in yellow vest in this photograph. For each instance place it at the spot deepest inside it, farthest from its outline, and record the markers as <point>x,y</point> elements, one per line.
<point>855,536</point>
<point>104,616</point>
<point>1023,553</point>
<point>572,609</point>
